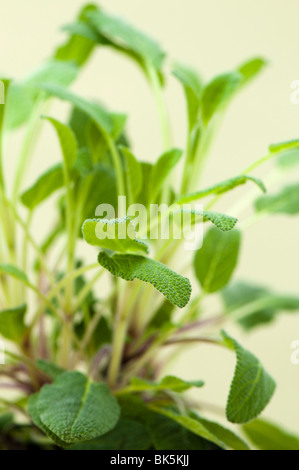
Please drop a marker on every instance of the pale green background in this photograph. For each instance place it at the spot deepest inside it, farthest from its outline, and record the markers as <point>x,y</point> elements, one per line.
<point>214,36</point>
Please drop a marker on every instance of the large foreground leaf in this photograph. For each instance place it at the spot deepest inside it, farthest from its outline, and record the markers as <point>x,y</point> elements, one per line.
<point>252,387</point>
<point>75,409</point>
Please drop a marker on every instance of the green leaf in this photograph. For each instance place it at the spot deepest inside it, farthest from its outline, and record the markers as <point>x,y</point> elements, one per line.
<point>221,221</point>
<point>12,325</point>
<point>127,435</point>
<point>285,202</point>
<point>169,435</point>
<point>259,305</point>
<point>176,288</point>
<point>24,94</point>
<point>167,383</point>
<point>78,47</point>
<point>161,170</point>
<point>45,186</point>
<point>221,188</point>
<point>134,176</point>
<point>251,68</point>
<point>96,112</point>
<point>67,141</point>
<point>162,316</point>
<point>50,369</point>
<point>117,235</point>
<point>101,189</point>
<point>215,261</point>
<point>267,436</point>
<point>252,387</point>
<point>189,423</point>
<point>34,414</point>
<point>144,196</point>
<point>75,409</point>
<point>229,438</point>
<point>11,270</point>
<point>218,93</point>
<point>283,146</point>
<point>123,34</point>
<point>193,90</point>
<point>53,71</point>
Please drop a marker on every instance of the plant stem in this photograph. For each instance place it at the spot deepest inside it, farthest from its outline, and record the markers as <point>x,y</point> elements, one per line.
<point>121,327</point>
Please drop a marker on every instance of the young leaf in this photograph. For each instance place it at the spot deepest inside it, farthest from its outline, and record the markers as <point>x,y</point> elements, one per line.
<point>53,71</point>
<point>176,288</point>
<point>267,436</point>
<point>75,409</point>
<point>258,304</point>
<point>285,202</point>
<point>67,141</point>
<point>215,262</point>
<point>220,188</point>
<point>252,387</point>
<point>218,92</point>
<point>167,383</point>
<point>161,171</point>
<point>117,235</point>
<point>251,68</point>
<point>11,270</point>
<point>12,324</point>
<point>47,184</point>
<point>134,174</point>
<point>96,112</point>
<point>78,47</point>
<point>120,32</point>
<point>193,89</point>
<point>283,146</point>
<point>127,435</point>
<point>221,221</point>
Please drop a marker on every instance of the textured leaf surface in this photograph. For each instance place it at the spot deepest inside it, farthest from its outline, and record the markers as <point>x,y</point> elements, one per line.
<point>117,235</point>
<point>221,188</point>
<point>127,435</point>
<point>267,436</point>
<point>46,185</point>
<point>252,387</point>
<point>75,409</point>
<point>285,202</point>
<point>215,261</point>
<point>175,287</point>
<point>12,324</point>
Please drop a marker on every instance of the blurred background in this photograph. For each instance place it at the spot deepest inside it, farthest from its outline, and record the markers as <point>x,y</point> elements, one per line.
<point>214,37</point>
